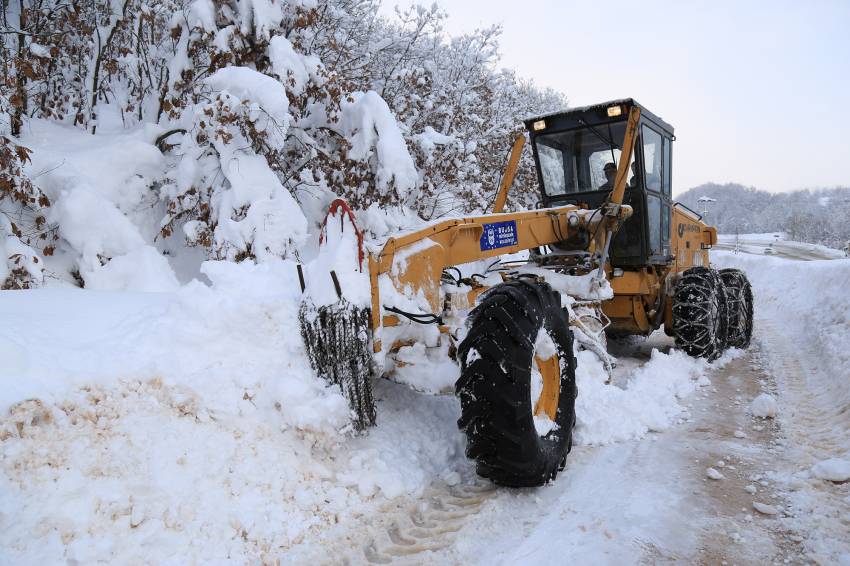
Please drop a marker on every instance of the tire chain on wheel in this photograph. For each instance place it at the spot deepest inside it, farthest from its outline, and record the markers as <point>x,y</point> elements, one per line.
<point>700,313</point>
<point>495,384</point>
<point>739,302</point>
<point>338,346</point>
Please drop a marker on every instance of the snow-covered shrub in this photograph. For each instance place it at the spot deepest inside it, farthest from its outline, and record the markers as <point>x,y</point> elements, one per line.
<point>76,56</point>
<point>265,110</point>
<point>458,115</point>
<point>225,190</point>
<point>23,226</point>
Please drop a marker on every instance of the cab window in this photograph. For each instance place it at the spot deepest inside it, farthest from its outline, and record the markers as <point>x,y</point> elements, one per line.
<point>652,151</point>
<point>552,169</point>
<point>574,161</point>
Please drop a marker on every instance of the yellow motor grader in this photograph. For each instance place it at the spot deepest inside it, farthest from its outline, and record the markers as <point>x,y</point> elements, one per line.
<point>607,253</point>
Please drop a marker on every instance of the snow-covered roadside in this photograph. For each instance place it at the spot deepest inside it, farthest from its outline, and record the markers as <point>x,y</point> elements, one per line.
<point>188,426</point>
<point>803,320</point>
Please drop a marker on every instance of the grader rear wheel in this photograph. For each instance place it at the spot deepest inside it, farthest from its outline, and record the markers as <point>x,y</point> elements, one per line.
<point>700,313</point>
<point>517,385</point>
<point>739,302</point>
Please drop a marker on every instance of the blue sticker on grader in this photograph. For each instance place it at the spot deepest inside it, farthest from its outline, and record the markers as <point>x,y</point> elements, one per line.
<point>498,235</point>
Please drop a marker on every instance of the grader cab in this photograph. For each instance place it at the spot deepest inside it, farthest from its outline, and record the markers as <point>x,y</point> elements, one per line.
<point>608,253</point>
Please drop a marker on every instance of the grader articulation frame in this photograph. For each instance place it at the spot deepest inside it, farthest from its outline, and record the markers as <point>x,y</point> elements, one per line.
<point>647,264</point>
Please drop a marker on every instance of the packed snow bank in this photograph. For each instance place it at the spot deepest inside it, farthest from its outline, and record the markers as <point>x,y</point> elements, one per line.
<point>810,301</point>
<point>239,335</point>
<point>188,426</point>
<point>148,426</point>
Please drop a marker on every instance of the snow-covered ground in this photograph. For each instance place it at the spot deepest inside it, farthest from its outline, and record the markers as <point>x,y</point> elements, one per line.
<point>186,427</point>
<point>803,326</point>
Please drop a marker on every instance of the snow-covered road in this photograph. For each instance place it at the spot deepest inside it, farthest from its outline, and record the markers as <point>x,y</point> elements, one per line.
<point>181,428</point>
<point>773,244</point>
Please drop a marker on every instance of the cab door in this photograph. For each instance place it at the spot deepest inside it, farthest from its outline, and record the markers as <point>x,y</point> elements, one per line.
<point>657,170</point>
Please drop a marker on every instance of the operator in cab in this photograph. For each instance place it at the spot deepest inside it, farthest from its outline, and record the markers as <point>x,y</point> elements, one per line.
<point>610,171</point>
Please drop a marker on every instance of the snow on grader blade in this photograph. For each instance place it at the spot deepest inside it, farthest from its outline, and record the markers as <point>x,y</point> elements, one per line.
<point>609,254</point>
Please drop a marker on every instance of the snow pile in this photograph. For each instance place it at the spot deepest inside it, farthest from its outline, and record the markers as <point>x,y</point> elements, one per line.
<point>165,425</point>
<point>220,342</point>
<point>189,425</point>
<point>585,287</point>
<point>713,474</point>
<point>649,400</point>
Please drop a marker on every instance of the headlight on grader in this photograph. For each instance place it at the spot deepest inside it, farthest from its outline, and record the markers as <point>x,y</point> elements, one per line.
<point>539,125</point>
<point>614,111</point>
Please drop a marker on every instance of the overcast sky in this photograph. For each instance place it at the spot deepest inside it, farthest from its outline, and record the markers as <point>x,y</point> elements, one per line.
<point>757,91</point>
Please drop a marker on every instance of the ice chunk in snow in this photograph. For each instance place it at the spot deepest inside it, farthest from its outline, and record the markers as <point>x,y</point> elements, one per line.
<point>751,489</point>
<point>713,474</point>
<point>764,406</point>
<point>764,508</point>
<point>833,469</point>
<point>740,434</point>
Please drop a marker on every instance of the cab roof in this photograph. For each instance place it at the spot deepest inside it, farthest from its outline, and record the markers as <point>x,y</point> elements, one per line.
<point>593,115</point>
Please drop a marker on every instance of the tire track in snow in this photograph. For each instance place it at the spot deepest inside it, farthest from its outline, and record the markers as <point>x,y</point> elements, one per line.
<point>819,417</point>
<point>427,524</point>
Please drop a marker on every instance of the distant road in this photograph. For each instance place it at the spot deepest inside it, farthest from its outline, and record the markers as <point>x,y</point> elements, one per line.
<point>759,245</point>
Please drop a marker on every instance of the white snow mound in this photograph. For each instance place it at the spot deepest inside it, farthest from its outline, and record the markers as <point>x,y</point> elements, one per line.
<point>764,406</point>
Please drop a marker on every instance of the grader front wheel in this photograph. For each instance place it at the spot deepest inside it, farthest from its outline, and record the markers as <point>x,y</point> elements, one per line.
<point>517,385</point>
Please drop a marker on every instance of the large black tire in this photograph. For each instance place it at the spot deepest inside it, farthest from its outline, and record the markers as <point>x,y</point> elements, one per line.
<point>700,313</point>
<point>494,388</point>
<point>739,307</point>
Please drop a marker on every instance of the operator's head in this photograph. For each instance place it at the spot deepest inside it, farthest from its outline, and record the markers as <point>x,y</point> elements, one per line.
<point>610,170</point>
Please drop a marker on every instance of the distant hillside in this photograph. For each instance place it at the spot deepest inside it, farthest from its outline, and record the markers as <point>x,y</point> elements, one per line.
<point>818,216</point>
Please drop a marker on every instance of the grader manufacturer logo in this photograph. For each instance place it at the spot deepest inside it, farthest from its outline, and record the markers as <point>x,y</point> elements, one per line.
<point>687,228</point>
